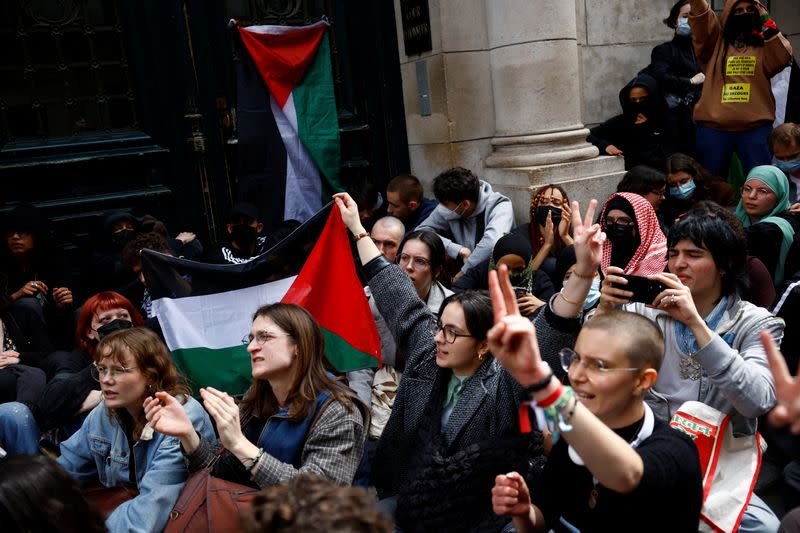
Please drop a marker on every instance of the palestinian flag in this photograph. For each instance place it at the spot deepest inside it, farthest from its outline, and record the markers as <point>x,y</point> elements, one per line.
<point>288,122</point>
<point>204,325</point>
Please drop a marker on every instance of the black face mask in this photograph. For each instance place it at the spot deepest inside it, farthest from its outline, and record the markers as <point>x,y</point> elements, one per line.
<point>644,107</point>
<point>114,325</point>
<point>121,238</point>
<point>620,234</point>
<point>244,235</point>
<point>742,26</point>
<point>541,214</point>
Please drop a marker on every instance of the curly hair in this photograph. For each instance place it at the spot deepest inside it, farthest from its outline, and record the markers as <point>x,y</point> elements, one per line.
<point>152,241</point>
<point>456,185</point>
<point>537,239</point>
<point>153,360</point>
<point>313,504</point>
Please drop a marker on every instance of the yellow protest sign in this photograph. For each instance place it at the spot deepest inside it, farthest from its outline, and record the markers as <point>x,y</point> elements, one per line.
<point>736,93</point>
<point>740,66</point>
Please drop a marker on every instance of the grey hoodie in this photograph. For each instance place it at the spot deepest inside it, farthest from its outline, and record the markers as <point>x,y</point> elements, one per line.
<point>494,214</point>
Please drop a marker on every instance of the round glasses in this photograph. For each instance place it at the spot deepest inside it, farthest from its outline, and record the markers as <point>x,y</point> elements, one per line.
<point>448,332</point>
<point>570,359</point>
<point>418,263</point>
<point>262,337</point>
<point>98,371</point>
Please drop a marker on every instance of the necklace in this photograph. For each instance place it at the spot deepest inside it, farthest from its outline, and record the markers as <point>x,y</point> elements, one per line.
<point>689,365</point>
<point>644,432</point>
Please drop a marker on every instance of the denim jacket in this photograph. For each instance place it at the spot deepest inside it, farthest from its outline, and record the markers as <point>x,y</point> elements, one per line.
<point>99,451</point>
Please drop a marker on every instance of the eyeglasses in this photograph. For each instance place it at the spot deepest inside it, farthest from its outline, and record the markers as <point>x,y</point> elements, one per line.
<point>419,263</point>
<point>262,337</point>
<point>448,332</point>
<point>596,367</point>
<point>661,193</point>
<point>557,202</point>
<point>625,221</point>
<point>99,371</point>
<point>761,191</point>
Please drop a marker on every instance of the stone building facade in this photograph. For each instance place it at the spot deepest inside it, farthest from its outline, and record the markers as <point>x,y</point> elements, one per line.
<point>512,86</point>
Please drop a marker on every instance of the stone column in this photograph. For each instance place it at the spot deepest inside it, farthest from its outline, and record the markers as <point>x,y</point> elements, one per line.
<point>536,82</point>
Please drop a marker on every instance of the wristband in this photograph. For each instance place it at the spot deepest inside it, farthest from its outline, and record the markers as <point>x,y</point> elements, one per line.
<point>539,385</point>
<point>361,235</point>
<point>550,400</point>
<point>255,459</point>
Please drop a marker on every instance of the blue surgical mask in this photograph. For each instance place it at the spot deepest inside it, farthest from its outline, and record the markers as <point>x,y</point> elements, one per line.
<point>594,294</point>
<point>683,29</point>
<point>683,192</point>
<point>789,167</point>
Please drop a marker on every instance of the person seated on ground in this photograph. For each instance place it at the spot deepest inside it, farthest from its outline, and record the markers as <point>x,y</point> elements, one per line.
<point>759,289</point>
<point>549,229</point>
<point>763,212</point>
<point>784,143</point>
<point>245,240</point>
<point>453,422</point>
<point>24,351</point>
<point>421,257</point>
<point>72,390</point>
<point>713,353</point>
<point>739,53</point>
<point>105,271</point>
<point>38,273</point>
<point>132,258</point>
<point>635,241</point>
<point>470,217</point>
<point>115,445</point>
<point>313,504</point>
<point>406,201</point>
<point>650,184</point>
<point>185,244</point>
<point>640,134</point>
<point>513,250</point>
<point>616,466</point>
<point>316,424</point>
<point>386,233</point>
<point>674,66</point>
<point>567,264</point>
<point>37,495</point>
<point>690,183</point>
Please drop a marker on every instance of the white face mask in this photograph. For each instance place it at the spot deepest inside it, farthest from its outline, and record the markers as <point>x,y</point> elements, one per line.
<point>683,29</point>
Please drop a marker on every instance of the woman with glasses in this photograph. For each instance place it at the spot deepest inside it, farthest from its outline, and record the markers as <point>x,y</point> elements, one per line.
<point>453,424</point>
<point>763,211</point>
<point>713,351</point>
<point>635,242</point>
<point>421,255</point>
<point>116,446</point>
<point>296,417</point>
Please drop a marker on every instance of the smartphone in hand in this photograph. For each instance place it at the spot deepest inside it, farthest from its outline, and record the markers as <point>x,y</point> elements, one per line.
<point>644,290</point>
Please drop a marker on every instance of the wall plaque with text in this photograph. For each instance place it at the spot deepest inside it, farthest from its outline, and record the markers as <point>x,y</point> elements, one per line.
<point>416,26</point>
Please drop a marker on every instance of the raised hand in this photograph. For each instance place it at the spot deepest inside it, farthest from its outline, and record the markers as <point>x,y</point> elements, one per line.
<point>510,495</point>
<point>166,415</point>
<point>588,238</point>
<point>787,410</point>
<point>676,299</point>
<point>349,210</point>
<point>225,412</point>
<point>549,234</point>
<point>512,339</point>
<point>611,296</point>
<point>564,224</point>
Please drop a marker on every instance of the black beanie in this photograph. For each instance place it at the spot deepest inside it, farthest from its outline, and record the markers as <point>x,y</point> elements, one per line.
<point>512,243</point>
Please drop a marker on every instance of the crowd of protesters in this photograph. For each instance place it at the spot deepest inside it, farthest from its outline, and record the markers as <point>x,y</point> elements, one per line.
<point>537,374</point>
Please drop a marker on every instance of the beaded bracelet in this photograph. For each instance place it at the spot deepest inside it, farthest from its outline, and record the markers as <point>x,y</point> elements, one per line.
<point>539,385</point>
